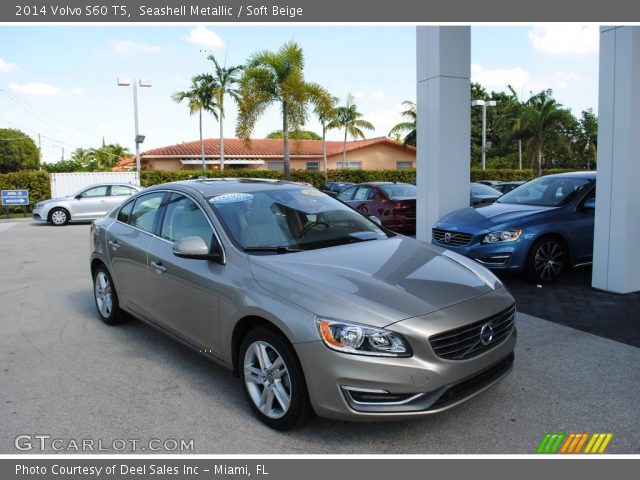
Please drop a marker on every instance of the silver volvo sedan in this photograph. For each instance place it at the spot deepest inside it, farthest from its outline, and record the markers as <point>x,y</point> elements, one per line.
<point>313,305</point>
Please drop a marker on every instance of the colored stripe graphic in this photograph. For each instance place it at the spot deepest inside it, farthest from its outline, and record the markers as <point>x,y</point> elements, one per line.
<point>572,443</point>
<point>550,442</point>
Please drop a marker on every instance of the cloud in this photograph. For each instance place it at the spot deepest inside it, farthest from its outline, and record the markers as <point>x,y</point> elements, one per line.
<point>564,79</point>
<point>565,39</point>
<point>78,91</point>
<point>124,48</point>
<point>35,88</point>
<point>6,67</point>
<point>204,37</point>
<point>498,79</point>
<point>378,95</point>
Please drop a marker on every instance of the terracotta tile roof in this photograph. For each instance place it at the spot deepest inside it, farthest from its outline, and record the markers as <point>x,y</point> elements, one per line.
<point>234,147</point>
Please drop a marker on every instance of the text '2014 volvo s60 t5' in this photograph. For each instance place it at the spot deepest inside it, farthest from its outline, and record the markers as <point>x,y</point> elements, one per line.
<point>313,305</point>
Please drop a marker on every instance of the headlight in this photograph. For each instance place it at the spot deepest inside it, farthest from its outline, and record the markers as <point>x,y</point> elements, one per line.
<point>502,236</point>
<point>361,339</point>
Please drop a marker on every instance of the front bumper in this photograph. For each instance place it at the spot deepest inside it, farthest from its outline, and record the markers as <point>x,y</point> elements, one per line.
<point>39,215</point>
<point>359,387</point>
<point>495,256</point>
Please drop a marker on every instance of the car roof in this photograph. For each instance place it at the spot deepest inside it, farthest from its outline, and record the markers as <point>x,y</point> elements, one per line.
<point>216,186</point>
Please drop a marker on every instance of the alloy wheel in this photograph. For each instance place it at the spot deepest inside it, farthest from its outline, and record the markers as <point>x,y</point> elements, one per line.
<point>102,289</point>
<point>548,260</point>
<point>267,379</point>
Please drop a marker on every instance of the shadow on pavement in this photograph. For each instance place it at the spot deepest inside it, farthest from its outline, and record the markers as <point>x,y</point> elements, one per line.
<point>571,301</point>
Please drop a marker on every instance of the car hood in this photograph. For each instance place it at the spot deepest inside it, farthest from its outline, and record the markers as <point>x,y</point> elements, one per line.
<point>487,217</point>
<point>376,282</point>
<point>57,199</point>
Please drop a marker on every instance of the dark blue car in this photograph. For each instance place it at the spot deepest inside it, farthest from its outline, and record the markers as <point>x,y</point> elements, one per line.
<point>541,227</point>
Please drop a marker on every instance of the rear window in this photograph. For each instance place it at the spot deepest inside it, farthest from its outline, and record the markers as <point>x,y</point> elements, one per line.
<point>399,190</point>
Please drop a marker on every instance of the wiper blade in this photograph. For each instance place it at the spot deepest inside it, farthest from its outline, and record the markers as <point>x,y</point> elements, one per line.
<point>279,249</point>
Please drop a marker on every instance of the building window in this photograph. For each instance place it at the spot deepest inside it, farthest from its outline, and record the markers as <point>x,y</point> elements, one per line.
<point>313,165</point>
<point>275,166</point>
<point>403,165</point>
<point>352,165</point>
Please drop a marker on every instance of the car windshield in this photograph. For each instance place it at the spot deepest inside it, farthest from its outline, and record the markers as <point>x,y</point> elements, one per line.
<point>481,189</point>
<point>546,191</point>
<point>399,190</point>
<point>289,220</point>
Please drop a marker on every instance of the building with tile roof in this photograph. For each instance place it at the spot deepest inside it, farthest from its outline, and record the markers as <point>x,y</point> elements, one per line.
<point>375,153</point>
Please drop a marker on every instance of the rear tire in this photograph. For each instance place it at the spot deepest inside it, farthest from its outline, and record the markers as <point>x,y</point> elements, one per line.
<point>273,380</point>
<point>547,260</point>
<point>59,217</point>
<point>106,297</point>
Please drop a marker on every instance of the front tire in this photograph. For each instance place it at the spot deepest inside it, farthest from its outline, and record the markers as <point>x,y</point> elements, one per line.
<point>106,298</point>
<point>273,380</point>
<point>547,260</point>
<point>59,217</point>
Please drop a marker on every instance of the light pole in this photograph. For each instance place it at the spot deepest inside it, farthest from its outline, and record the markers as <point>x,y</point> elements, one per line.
<point>125,82</point>
<point>484,104</point>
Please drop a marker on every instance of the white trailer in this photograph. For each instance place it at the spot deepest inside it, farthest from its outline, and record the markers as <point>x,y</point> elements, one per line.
<point>63,184</point>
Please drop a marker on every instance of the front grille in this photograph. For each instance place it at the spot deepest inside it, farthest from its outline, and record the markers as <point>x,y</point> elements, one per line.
<point>465,342</point>
<point>449,238</point>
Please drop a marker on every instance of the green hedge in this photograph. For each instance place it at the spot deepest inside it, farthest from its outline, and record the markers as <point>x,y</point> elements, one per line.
<point>39,185</point>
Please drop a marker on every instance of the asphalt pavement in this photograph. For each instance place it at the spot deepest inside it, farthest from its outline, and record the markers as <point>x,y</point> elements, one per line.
<point>65,374</point>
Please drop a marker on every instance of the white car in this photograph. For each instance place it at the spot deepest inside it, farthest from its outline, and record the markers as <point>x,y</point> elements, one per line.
<point>86,205</point>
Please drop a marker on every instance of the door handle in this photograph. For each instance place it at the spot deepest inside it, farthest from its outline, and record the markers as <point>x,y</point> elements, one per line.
<point>114,245</point>
<point>159,267</point>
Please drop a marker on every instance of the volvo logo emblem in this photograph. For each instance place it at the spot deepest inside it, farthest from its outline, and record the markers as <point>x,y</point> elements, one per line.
<point>447,237</point>
<point>486,333</point>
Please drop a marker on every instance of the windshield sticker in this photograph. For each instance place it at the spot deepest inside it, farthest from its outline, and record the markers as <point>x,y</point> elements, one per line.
<point>230,198</point>
<point>312,192</point>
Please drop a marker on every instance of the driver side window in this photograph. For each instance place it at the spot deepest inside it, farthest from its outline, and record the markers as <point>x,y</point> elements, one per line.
<point>183,218</point>
<point>95,192</point>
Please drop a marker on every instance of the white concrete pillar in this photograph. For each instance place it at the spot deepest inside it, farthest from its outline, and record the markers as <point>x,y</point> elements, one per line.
<point>616,257</point>
<point>444,103</point>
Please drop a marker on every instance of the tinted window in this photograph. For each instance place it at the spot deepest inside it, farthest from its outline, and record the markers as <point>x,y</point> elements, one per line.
<point>399,190</point>
<point>125,212</point>
<point>117,190</point>
<point>347,193</point>
<point>145,210</point>
<point>481,189</point>
<point>95,192</point>
<point>183,218</point>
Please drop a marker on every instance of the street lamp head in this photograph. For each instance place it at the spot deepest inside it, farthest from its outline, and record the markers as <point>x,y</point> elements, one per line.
<point>491,103</point>
<point>123,82</point>
<point>145,83</point>
<point>140,138</point>
<point>477,103</point>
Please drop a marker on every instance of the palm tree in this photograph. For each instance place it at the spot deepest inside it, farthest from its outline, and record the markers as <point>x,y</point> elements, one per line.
<point>510,120</point>
<point>350,119</point>
<point>542,120</point>
<point>83,156</point>
<point>107,155</point>
<point>276,77</point>
<point>409,126</point>
<point>326,113</point>
<point>221,83</point>
<point>199,98</point>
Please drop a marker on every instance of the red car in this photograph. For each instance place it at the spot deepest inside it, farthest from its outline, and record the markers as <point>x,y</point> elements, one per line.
<point>393,203</point>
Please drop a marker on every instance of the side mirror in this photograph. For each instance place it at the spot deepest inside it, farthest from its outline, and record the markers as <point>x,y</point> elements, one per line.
<point>196,248</point>
<point>590,204</point>
<point>375,220</point>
